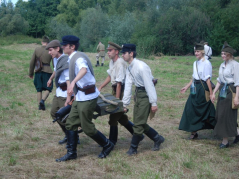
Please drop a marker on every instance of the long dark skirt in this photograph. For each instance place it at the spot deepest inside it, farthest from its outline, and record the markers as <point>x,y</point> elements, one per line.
<point>226,116</point>
<point>198,114</point>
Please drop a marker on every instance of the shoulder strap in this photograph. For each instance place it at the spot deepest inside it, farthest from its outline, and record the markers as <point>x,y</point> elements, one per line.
<point>230,89</point>
<point>199,76</point>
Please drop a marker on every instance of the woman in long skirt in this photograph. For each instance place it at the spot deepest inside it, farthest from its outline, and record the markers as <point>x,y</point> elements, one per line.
<point>198,113</point>
<point>227,82</point>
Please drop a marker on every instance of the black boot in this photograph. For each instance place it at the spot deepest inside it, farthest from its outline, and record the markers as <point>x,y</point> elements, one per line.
<point>103,141</point>
<point>236,140</point>
<point>129,127</point>
<point>78,139</point>
<point>97,64</point>
<point>113,134</point>
<point>134,144</point>
<point>158,139</point>
<point>64,140</point>
<point>102,64</point>
<point>71,147</point>
<point>42,105</point>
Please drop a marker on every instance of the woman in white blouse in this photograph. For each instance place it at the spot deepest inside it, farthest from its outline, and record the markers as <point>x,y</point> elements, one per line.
<point>198,113</point>
<point>227,81</point>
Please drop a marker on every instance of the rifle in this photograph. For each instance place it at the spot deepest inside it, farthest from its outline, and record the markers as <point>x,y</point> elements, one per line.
<point>63,113</point>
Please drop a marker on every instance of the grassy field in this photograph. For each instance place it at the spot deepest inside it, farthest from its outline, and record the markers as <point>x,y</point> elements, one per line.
<point>29,139</point>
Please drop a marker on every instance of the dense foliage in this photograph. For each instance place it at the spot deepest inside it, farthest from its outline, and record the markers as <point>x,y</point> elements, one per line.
<point>155,26</point>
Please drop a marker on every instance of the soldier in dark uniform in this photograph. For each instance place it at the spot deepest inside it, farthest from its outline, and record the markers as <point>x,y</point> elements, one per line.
<point>139,73</point>
<point>116,75</point>
<point>41,76</point>
<point>83,86</point>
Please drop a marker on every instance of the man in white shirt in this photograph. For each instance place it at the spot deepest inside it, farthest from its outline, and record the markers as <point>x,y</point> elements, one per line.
<point>116,75</point>
<point>82,85</point>
<point>208,51</point>
<point>139,73</point>
<point>61,73</point>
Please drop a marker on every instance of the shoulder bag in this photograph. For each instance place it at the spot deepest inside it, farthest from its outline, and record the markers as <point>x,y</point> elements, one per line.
<point>233,94</point>
<point>38,64</point>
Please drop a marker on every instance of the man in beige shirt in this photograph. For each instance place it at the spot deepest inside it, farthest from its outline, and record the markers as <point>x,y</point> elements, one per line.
<point>116,75</point>
<point>101,53</point>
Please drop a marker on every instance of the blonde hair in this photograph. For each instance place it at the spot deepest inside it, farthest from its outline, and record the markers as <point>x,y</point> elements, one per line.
<point>203,54</point>
<point>229,55</point>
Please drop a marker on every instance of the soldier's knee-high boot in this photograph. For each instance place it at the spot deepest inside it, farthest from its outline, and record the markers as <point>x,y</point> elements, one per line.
<point>97,63</point>
<point>134,144</point>
<point>71,147</point>
<point>129,127</point>
<point>158,139</point>
<point>113,134</point>
<point>103,141</point>
<point>64,140</point>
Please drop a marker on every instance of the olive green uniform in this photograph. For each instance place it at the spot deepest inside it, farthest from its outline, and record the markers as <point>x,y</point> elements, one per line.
<point>101,52</point>
<point>41,78</point>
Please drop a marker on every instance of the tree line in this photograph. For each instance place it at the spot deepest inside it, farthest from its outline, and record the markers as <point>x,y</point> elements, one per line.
<point>155,26</point>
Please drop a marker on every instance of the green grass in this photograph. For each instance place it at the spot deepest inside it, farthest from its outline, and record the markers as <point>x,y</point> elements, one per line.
<point>29,139</point>
<point>18,39</point>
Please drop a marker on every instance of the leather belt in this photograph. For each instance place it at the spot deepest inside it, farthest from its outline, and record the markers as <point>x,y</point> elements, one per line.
<point>45,64</point>
<point>140,88</point>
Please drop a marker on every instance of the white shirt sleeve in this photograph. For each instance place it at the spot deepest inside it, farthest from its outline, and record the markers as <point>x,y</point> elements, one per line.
<point>66,74</point>
<point>149,86</point>
<point>210,51</point>
<point>207,70</point>
<point>236,74</point>
<point>108,71</point>
<point>127,90</point>
<point>55,62</point>
<point>80,63</point>
<point>120,74</point>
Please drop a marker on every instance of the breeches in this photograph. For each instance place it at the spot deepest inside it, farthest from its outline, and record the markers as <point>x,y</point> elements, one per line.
<point>102,57</point>
<point>120,117</point>
<point>141,113</point>
<point>81,116</point>
<point>40,81</point>
<point>57,103</point>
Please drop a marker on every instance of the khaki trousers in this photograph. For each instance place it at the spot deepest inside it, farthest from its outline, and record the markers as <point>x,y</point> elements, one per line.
<point>142,109</point>
<point>120,117</point>
<point>81,116</point>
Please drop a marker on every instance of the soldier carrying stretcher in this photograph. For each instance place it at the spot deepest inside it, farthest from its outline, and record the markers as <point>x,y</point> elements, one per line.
<point>83,86</point>
<point>116,75</point>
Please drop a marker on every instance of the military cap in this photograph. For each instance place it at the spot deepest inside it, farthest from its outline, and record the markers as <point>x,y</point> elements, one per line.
<point>115,46</point>
<point>228,48</point>
<point>53,43</point>
<point>128,48</point>
<point>70,39</point>
<point>45,39</point>
<point>199,46</point>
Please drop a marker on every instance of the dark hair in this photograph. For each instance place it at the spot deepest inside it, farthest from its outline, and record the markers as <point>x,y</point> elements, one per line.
<point>60,51</point>
<point>76,46</point>
<point>134,53</point>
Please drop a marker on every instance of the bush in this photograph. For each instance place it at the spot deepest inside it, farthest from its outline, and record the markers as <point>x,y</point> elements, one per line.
<point>56,30</point>
<point>93,27</point>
